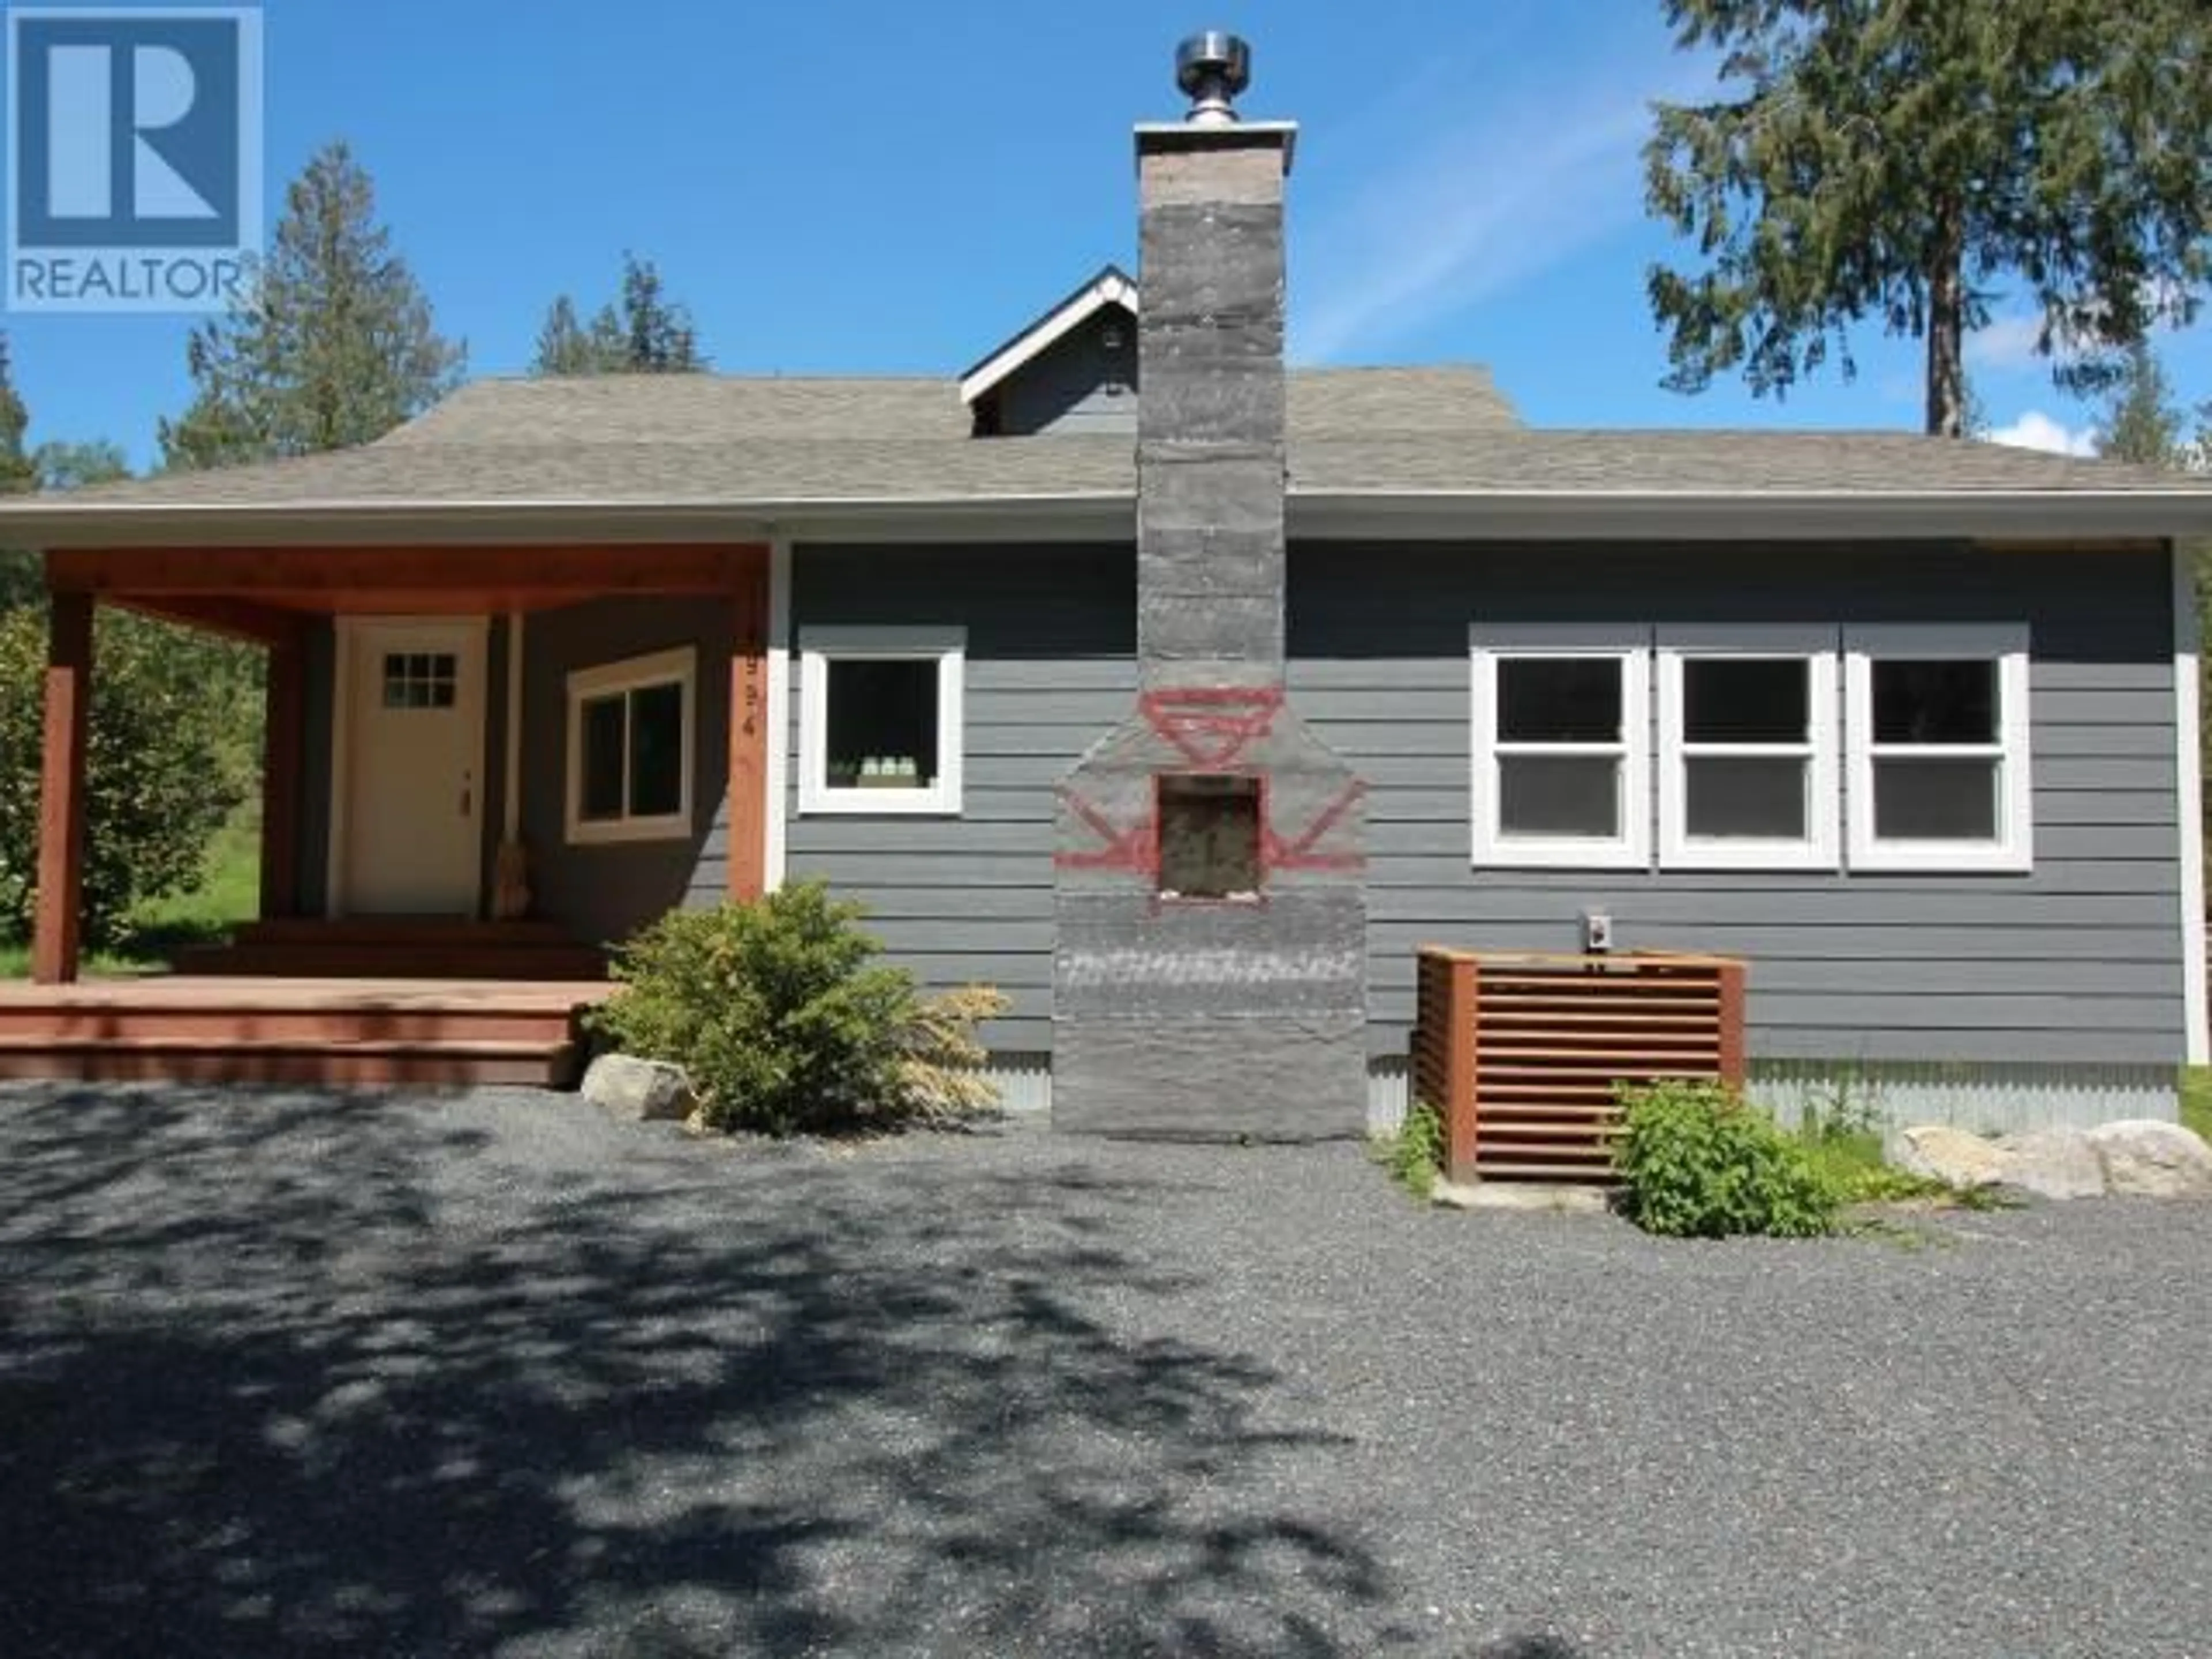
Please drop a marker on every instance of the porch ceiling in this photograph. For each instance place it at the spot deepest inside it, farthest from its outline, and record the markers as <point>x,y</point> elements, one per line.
<point>262,594</point>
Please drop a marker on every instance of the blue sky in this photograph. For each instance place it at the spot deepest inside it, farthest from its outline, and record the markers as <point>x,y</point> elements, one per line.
<point>848,186</point>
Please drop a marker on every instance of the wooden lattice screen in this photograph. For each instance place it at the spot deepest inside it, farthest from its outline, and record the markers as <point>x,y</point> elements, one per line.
<point>1521,1054</point>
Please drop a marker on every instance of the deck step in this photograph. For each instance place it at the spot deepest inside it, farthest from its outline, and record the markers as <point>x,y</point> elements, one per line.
<point>397,930</point>
<point>395,959</point>
<point>220,1060</point>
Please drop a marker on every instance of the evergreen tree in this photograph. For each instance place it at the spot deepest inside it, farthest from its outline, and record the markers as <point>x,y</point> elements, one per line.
<point>1900,160</point>
<point>73,466</point>
<point>334,346</point>
<point>2143,424</point>
<point>17,473</point>
<point>650,334</point>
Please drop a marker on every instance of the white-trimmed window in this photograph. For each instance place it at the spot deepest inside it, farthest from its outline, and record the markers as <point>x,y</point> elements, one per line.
<point>1747,738</point>
<point>879,720</point>
<point>631,734</point>
<point>1937,719</point>
<point>1562,746</point>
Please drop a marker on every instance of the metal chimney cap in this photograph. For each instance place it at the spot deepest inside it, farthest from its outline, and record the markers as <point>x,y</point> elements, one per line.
<point>1212,67</point>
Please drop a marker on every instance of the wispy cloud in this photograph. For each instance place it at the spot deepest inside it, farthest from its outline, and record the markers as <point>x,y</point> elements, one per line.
<point>1457,209</point>
<point>2005,342</point>
<point>2036,430</point>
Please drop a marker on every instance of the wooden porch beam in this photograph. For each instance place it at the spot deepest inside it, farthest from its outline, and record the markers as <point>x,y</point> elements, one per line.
<point>234,619</point>
<point>303,572</point>
<point>749,803</point>
<point>284,742</point>
<point>58,921</point>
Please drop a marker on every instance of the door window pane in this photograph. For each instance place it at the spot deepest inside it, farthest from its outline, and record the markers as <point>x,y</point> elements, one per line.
<point>1745,798</point>
<point>656,742</point>
<point>1935,701</point>
<point>1746,700</point>
<point>604,758</point>
<point>882,723</point>
<point>1945,800</point>
<point>1559,699</point>
<point>420,679</point>
<point>1574,795</point>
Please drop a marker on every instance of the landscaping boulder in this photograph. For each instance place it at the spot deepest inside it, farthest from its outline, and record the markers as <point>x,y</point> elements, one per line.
<point>639,1091</point>
<point>1953,1156</point>
<point>2145,1158</point>
<point>2052,1164</point>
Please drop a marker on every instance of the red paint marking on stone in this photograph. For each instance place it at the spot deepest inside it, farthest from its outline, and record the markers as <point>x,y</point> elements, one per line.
<point>1211,725</point>
<point>1135,849</point>
<point>1277,853</point>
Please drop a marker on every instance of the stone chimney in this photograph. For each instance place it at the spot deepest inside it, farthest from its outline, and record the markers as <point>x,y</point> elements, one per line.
<point>1209,972</point>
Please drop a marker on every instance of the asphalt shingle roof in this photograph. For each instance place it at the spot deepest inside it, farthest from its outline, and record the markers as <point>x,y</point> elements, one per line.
<point>716,441</point>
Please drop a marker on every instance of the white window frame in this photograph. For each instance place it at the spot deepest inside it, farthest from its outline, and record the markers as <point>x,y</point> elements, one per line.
<point>679,666</point>
<point>2007,645</point>
<point>1816,646</point>
<point>820,646</point>
<point>1630,647</point>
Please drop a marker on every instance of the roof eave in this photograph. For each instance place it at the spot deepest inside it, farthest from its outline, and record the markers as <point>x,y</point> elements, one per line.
<point>1497,515</point>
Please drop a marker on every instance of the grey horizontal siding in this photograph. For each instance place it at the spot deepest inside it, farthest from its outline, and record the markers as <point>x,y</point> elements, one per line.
<point>604,893</point>
<point>2077,962</point>
<point>1076,385</point>
<point>1051,668</point>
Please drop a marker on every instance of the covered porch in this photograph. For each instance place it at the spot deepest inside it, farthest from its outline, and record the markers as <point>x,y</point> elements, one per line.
<point>481,766</point>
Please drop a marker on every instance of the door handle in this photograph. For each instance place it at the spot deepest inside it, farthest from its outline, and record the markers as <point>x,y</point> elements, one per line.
<point>468,794</point>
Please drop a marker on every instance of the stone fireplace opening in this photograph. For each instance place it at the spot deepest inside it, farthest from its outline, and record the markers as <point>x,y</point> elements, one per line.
<point>1209,828</point>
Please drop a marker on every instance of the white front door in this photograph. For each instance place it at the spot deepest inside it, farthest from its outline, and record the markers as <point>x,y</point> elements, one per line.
<point>408,814</point>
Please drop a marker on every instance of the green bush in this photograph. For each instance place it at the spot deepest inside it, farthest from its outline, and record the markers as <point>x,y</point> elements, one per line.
<point>168,757</point>
<point>787,1022</point>
<point>1698,1163</point>
<point>1414,1155</point>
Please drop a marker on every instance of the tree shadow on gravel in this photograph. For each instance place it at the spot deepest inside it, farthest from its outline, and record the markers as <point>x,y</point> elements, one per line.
<point>281,1373</point>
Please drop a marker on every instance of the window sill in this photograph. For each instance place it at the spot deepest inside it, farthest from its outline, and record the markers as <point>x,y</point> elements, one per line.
<point>1750,855</point>
<point>879,803</point>
<point>626,830</point>
<point>1559,856</point>
<point>1936,859</point>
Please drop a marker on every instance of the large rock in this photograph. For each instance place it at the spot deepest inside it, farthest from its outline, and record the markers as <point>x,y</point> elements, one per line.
<point>2145,1158</point>
<point>1951,1156</point>
<point>639,1091</point>
<point>2052,1164</point>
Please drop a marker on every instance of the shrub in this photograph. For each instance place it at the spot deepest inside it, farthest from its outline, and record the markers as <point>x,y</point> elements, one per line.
<point>787,1022</point>
<point>1414,1155</point>
<point>1698,1163</point>
<point>167,759</point>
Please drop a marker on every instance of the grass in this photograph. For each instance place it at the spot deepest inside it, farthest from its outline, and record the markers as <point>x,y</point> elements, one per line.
<point>230,893</point>
<point>2197,1099</point>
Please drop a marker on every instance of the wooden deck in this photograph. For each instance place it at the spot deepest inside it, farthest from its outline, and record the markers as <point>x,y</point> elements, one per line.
<point>239,1028</point>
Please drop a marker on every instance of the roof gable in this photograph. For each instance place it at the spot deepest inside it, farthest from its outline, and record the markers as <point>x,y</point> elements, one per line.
<point>1111,287</point>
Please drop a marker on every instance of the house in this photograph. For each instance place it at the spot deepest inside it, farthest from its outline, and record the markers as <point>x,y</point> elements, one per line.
<point>1183,697</point>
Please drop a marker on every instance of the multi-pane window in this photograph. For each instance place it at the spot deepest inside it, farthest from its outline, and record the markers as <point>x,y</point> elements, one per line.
<point>420,679</point>
<point>1777,747</point>
<point>1561,727</point>
<point>629,749</point>
<point>880,719</point>
<point>1747,748</point>
<point>1939,748</point>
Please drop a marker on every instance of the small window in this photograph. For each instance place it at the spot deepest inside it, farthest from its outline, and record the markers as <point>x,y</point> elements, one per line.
<point>1939,748</point>
<point>880,719</point>
<point>1561,721</point>
<point>629,749</point>
<point>1747,748</point>
<point>420,679</point>
<point>1209,837</point>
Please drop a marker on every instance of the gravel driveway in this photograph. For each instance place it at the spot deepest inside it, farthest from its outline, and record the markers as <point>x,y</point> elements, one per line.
<point>281,1374</point>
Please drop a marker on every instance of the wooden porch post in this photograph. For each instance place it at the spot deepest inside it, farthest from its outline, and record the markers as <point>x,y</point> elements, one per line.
<point>748,735</point>
<point>283,737</point>
<point>59,920</point>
